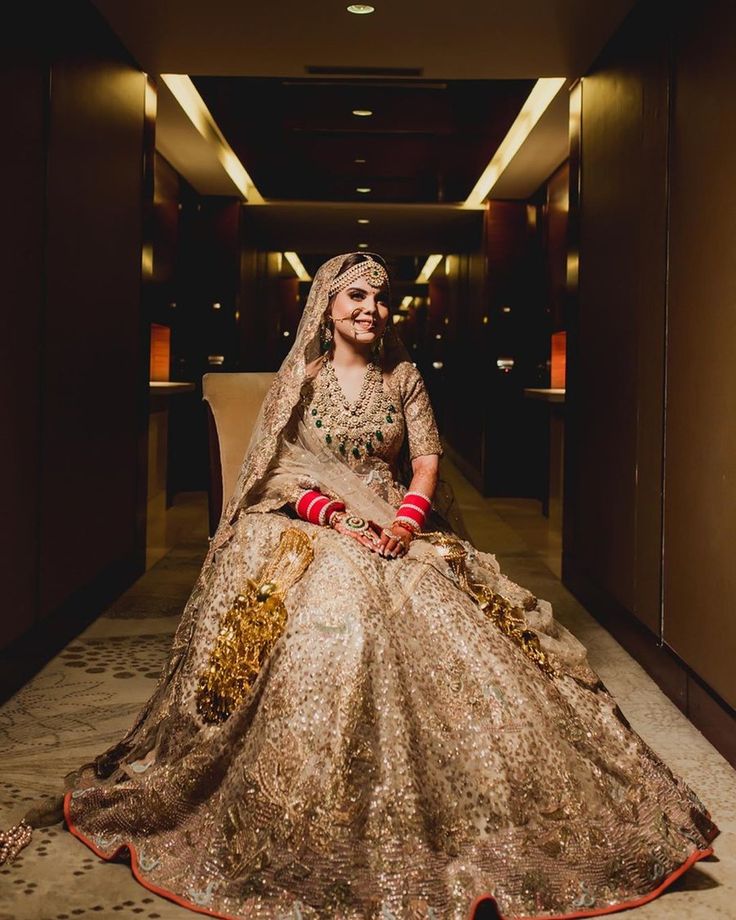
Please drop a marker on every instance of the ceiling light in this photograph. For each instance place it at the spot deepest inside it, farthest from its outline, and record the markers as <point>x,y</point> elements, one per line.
<point>363,189</point>
<point>406,302</point>
<point>362,245</point>
<point>363,220</point>
<point>361,8</point>
<point>185,93</point>
<point>537,102</point>
<point>429,266</point>
<point>363,113</point>
<point>359,160</point>
<point>293,259</point>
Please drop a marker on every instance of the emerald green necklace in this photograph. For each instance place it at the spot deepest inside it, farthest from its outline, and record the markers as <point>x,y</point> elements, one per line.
<point>353,428</point>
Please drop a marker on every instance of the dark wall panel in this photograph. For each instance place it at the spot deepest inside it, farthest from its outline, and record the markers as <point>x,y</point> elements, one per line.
<point>614,422</point>
<point>23,88</point>
<point>700,497</point>
<point>93,368</point>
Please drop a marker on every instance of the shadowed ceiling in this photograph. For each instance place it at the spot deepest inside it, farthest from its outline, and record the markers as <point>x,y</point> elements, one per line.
<point>427,141</point>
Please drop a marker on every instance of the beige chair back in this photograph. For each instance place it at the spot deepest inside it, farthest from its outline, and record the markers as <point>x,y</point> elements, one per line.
<point>233,401</point>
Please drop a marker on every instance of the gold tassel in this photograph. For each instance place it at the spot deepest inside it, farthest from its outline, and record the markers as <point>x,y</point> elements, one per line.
<point>501,612</point>
<point>250,628</point>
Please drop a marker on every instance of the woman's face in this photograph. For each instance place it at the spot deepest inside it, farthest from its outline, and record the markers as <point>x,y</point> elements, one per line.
<point>360,312</point>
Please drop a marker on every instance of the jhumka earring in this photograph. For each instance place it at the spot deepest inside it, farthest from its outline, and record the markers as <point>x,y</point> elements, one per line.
<point>377,347</point>
<point>325,337</point>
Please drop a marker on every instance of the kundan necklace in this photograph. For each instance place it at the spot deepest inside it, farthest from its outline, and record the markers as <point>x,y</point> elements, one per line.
<point>352,427</point>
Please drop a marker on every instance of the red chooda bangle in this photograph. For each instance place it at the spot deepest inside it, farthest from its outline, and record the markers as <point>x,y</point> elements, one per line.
<point>414,509</point>
<point>317,508</point>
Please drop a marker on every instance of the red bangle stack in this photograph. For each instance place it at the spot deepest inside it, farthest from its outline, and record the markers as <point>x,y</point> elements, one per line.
<point>317,508</point>
<point>413,510</point>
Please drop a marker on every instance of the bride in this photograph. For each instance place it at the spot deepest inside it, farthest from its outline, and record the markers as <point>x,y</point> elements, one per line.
<point>361,716</point>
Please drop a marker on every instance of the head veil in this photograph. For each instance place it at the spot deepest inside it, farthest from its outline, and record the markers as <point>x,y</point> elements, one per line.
<point>278,405</point>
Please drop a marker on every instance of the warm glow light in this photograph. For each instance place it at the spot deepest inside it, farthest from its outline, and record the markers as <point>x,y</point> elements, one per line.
<point>359,160</point>
<point>537,102</point>
<point>160,361</point>
<point>361,9</point>
<point>147,260</point>
<point>362,245</point>
<point>362,113</point>
<point>429,266</point>
<point>363,220</point>
<point>559,350</point>
<point>363,189</point>
<point>296,263</point>
<point>185,93</point>
<point>407,301</point>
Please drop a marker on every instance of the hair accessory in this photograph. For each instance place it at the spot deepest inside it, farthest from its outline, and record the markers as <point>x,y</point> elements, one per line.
<point>372,271</point>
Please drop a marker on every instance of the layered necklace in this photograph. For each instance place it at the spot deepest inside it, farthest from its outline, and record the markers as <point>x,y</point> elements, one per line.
<point>353,428</point>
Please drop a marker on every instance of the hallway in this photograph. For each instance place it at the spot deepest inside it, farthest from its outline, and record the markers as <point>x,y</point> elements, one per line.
<point>86,697</point>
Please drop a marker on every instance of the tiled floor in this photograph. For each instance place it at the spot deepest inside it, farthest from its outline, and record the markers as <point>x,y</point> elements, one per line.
<point>87,696</point>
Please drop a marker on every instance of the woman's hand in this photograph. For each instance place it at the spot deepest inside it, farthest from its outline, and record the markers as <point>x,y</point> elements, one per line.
<point>390,542</point>
<point>394,541</point>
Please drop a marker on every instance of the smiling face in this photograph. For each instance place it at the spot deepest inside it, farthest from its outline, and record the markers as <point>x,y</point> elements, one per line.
<point>360,312</point>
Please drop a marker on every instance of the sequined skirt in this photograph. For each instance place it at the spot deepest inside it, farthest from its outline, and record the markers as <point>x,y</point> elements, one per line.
<point>398,757</point>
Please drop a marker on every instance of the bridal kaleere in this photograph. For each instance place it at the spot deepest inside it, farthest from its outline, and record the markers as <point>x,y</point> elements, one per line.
<point>345,733</point>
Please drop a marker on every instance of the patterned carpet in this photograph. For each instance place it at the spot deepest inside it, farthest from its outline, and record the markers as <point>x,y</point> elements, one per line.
<point>88,695</point>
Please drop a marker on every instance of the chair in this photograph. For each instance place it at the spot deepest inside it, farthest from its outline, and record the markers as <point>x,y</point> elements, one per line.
<point>233,401</point>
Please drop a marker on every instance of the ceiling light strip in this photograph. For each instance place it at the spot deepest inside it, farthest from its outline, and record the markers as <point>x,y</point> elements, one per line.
<point>296,263</point>
<point>186,94</point>
<point>536,104</point>
<point>429,266</point>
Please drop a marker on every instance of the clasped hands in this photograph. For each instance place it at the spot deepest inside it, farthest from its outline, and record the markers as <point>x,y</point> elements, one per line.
<point>391,542</point>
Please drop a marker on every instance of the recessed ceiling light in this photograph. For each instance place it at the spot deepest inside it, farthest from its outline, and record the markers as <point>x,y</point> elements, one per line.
<point>363,189</point>
<point>363,113</point>
<point>363,220</point>
<point>361,8</point>
<point>362,245</point>
<point>359,160</point>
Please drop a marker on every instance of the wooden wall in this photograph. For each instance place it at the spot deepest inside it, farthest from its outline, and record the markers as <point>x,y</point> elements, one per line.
<point>650,494</point>
<point>700,433</point>
<point>77,371</point>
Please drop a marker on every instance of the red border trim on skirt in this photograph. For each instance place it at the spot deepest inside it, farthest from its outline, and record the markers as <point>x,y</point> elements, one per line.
<point>624,905</point>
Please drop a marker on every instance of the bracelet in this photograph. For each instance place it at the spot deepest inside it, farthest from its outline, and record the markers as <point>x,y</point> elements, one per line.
<point>316,508</point>
<point>414,508</point>
<point>326,511</point>
<point>334,516</point>
<point>407,523</point>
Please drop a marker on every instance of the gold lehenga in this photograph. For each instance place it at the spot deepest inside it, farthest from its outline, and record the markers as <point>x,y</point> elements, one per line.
<point>404,750</point>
